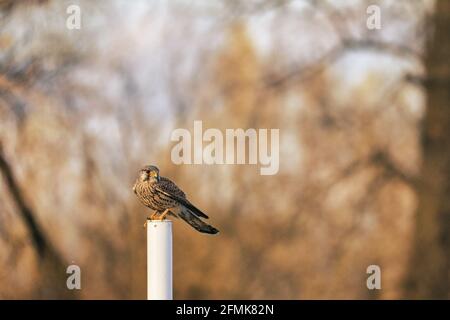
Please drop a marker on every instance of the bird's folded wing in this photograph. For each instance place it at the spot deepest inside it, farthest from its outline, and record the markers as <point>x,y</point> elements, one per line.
<point>183,202</point>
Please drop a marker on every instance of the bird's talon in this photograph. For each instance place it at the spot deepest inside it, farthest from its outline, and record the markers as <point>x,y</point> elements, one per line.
<point>163,215</point>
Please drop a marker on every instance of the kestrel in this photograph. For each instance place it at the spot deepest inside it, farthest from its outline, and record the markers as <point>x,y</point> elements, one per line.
<point>163,196</point>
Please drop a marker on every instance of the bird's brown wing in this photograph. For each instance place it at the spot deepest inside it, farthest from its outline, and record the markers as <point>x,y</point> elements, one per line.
<point>170,190</point>
<point>170,187</point>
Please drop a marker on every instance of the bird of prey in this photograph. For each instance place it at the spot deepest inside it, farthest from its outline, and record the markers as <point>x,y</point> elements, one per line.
<point>163,196</point>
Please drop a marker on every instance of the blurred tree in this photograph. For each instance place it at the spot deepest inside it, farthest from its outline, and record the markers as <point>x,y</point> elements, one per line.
<point>79,115</point>
<point>51,265</point>
<point>429,275</point>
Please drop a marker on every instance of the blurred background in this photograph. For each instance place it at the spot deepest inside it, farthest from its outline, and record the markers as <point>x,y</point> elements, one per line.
<point>364,125</point>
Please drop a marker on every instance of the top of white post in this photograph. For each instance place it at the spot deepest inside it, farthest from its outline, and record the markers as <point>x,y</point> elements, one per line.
<point>159,260</point>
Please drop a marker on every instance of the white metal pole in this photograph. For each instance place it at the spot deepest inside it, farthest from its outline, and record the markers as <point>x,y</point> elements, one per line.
<point>159,260</point>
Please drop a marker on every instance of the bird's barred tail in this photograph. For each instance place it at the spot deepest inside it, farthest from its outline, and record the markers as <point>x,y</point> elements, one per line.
<point>195,222</point>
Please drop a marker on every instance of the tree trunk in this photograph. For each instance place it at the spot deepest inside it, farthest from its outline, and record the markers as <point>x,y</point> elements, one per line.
<point>429,270</point>
<point>51,266</point>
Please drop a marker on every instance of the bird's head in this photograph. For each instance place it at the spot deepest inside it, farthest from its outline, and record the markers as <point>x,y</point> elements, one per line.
<point>149,173</point>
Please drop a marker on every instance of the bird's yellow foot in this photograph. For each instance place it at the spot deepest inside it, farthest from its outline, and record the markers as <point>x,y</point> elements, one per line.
<point>153,216</point>
<point>163,215</point>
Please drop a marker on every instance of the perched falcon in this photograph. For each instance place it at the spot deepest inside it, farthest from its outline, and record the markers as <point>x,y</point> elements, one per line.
<point>163,196</point>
